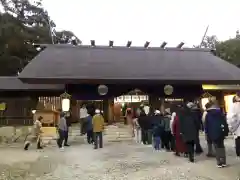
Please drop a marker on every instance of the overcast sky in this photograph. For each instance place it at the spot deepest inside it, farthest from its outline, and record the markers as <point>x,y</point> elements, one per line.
<point>146,20</point>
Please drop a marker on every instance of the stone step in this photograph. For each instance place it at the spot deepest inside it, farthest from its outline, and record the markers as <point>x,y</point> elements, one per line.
<point>118,130</point>
<point>120,135</point>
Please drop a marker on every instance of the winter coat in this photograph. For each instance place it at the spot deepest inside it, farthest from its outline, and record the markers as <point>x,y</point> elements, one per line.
<point>189,125</point>
<point>145,121</point>
<point>196,112</point>
<point>215,124</point>
<point>204,116</point>
<point>141,120</point>
<point>98,123</point>
<point>166,120</point>
<point>89,124</point>
<point>37,126</point>
<point>69,120</point>
<point>233,119</point>
<point>180,145</point>
<point>62,124</point>
<point>157,125</point>
<point>172,120</point>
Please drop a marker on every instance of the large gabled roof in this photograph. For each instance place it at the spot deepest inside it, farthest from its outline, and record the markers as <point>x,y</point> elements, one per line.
<point>14,84</point>
<point>84,64</point>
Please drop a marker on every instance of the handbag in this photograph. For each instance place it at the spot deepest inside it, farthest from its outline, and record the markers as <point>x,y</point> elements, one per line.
<point>234,127</point>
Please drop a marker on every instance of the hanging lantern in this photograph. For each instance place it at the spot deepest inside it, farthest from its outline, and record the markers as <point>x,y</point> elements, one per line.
<point>65,101</point>
<point>102,90</point>
<point>168,90</point>
<point>2,106</point>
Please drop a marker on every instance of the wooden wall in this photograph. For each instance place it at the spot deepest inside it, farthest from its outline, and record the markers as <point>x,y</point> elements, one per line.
<point>18,111</point>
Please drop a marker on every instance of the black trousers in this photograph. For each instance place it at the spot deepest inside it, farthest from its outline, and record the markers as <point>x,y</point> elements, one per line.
<point>90,136</point>
<point>66,137</point>
<point>190,150</point>
<point>98,139</point>
<point>210,146</point>
<point>144,136</point>
<point>167,138</point>
<point>173,143</point>
<point>237,144</point>
<point>82,126</point>
<point>61,138</point>
<point>198,148</point>
<point>220,151</point>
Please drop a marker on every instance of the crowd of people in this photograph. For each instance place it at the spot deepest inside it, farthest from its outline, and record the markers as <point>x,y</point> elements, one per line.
<point>175,129</point>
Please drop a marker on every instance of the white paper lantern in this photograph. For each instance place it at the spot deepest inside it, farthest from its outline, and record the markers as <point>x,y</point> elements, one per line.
<point>168,90</point>
<point>65,105</point>
<point>102,90</point>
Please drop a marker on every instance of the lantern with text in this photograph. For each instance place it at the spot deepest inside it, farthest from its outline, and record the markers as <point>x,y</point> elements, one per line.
<point>102,90</point>
<point>168,90</point>
<point>65,101</point>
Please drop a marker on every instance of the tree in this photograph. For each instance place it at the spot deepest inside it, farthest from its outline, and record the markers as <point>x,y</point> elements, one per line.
<point>210,42</point>
<point>23,24</point>
<point>228,50</point>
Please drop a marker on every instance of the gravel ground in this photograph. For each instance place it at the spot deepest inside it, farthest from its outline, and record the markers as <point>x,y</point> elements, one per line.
<point>116,161</point>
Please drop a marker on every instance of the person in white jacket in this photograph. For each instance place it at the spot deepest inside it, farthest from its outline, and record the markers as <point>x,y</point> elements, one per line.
<point>233,119</point>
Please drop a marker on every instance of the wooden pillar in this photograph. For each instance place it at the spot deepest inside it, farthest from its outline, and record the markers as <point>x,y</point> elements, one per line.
<point>154,102</point>
<point>162,105</point>
<point>105,110</point>
<point>110,110</point>
<point>74,110</point>
<point>220,99</point>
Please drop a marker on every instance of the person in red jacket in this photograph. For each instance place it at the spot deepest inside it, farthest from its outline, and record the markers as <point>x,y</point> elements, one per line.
<point>180,146</point>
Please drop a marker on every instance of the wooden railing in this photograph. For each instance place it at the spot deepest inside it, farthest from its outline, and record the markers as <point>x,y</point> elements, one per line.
<point>16,121</point>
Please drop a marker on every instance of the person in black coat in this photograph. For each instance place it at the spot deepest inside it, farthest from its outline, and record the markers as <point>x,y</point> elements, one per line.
<point>142,123</point>
<point>196,112</point>
<point>188,129</point>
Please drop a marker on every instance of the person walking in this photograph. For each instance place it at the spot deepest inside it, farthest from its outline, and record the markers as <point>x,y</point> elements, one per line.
<point>62,128</point>
<point>210,152</point>
<point>216,128</point>
<point>98,128</point>
<point>89,129</point>
<point>83,114</point>
<point>158,129</point>
<point>233,119</point>
<point>36,134</point>
<point>189,129</point>
<point>68,117</point>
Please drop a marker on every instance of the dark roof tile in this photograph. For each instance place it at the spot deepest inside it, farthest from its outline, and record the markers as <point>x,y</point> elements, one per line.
<point>65,63</point>
<point>14,84</point>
